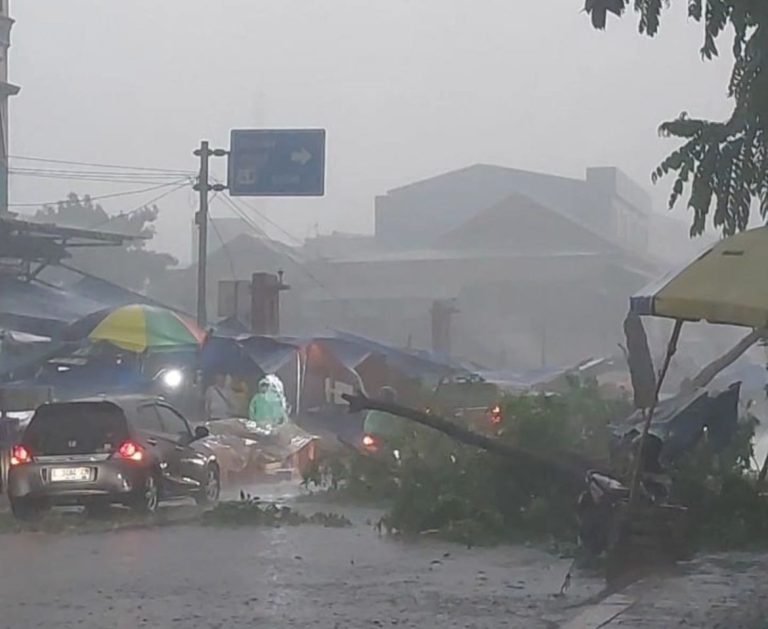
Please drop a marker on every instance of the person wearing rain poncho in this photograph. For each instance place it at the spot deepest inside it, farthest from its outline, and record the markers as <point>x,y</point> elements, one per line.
<point>268,408</point>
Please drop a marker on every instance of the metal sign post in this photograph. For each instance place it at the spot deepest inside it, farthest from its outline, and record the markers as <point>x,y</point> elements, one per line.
<point>262,163</point>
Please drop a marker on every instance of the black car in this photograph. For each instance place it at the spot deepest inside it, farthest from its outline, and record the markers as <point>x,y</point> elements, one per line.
<point>94,452</point>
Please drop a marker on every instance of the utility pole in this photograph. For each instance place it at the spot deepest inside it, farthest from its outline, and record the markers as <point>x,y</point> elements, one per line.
<point>442,311</point>
<point>201,220</point>
<point>203,186</point>
<point>6,90</point>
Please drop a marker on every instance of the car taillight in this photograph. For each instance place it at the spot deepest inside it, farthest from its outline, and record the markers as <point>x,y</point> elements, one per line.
<point>131,451</point>
<point>20,455</point>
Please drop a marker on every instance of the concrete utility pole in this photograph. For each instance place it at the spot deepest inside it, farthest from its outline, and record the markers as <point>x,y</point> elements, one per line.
<point>203,186</point>
<point>201,220</point>
<point>442,312</point>
<point>6,90</point>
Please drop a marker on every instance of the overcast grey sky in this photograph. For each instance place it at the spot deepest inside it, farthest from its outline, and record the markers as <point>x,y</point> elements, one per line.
<point>406,89</point>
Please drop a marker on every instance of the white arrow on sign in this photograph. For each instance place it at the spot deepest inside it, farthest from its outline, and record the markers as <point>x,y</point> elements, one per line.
<point>302,156</point>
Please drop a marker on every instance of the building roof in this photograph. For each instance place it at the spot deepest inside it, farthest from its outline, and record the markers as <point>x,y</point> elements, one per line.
<point>522,224</point>
<point>469,171</point>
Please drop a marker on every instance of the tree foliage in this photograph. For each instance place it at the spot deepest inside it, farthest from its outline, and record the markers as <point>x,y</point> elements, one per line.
<point>131,265</point>
<point>465,494</point>
<point>722,163</point>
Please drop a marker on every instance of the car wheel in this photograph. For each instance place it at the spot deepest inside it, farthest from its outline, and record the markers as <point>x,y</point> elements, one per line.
<point>27,509</point>
<point>147,498</point>
<point>210,493</point>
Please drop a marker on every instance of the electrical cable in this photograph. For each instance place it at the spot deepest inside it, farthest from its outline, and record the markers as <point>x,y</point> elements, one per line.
<point>100,165</point>
<point>105,196</point>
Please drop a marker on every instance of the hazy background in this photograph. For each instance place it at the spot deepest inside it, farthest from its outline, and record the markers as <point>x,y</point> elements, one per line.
<point>406,89</point>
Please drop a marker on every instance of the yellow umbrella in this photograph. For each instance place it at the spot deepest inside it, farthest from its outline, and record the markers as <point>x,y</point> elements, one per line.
<point>726,284</point>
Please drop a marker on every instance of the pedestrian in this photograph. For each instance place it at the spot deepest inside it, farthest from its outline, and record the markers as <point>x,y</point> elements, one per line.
<point>238,394</point>
<point>268,408</point>
<point>218,403</point>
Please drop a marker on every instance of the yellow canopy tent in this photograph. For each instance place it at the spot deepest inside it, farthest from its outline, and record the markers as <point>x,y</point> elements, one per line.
<point>727,284</point>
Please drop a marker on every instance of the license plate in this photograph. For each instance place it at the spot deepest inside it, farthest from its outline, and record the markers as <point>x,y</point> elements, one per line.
<point>70,474</point>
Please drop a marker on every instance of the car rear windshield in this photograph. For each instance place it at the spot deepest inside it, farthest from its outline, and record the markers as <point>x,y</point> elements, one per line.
<point>76,428</point>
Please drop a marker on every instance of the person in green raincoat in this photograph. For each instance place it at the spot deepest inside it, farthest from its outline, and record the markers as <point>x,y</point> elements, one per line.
<point>267,407</point>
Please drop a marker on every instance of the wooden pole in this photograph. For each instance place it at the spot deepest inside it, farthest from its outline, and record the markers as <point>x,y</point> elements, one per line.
<point>671,350</point>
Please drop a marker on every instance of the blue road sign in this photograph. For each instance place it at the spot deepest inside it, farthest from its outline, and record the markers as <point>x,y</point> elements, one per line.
<point>277,163</point>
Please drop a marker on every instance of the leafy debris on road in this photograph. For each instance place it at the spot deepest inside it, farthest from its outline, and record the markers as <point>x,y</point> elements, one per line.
<point>252,512</point>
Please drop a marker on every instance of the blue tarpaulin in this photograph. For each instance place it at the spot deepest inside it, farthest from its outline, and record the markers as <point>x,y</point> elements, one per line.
<point>681,421</point>
<point>244,354</point>
<point>38,309</point>
<point>348,353</point>
<point>411,364</point>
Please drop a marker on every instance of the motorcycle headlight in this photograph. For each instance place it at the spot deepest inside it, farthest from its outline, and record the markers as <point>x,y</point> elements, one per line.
<point>173,378</point>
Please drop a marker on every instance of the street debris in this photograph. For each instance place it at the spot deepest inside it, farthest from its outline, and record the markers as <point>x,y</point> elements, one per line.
<point>252,512</point>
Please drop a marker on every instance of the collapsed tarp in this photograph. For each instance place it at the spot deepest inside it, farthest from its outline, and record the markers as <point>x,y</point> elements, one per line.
<point>681,421</point>
<point>537,379</point>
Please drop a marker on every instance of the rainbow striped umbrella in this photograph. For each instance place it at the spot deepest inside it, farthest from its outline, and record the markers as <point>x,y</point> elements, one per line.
<point>139,327</point>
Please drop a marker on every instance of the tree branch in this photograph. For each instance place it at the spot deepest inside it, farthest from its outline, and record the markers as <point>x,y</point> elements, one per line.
<point>571,466</point>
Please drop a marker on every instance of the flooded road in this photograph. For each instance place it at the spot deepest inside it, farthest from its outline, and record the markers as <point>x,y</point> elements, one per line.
<point>194,576</point>
<point>187,575</point>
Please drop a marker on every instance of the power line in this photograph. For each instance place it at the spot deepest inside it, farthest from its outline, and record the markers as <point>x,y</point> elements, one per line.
<point>266,219</point>
<point>106,196</point>
<point>244,217</point>
<point>140,207</point>
<point>267,242</point>
<point>100,165</point>
<point>128,179</point>
<point>76,172</point>
<point>224,245</point>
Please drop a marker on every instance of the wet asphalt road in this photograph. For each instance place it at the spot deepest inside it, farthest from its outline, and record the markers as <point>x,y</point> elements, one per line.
<point>192,576</point>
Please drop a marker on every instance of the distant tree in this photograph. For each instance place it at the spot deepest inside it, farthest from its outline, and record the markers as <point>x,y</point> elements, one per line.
<point>131,265</point>
<point>723,164</point>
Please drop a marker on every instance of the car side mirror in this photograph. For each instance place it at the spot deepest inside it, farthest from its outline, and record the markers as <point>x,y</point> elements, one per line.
<point>201,432</point>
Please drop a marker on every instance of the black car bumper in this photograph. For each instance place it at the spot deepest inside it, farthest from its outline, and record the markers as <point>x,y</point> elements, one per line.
<point>111,480</point>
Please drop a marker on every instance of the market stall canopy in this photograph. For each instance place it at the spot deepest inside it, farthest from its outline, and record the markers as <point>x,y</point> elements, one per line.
<point>141,327</point>
<point>39,309</point>
<point>707,289</point>
<point>414,364</point>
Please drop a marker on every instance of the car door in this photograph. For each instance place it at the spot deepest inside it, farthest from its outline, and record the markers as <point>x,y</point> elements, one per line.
<point>151,434</point>
<point>188,467</point>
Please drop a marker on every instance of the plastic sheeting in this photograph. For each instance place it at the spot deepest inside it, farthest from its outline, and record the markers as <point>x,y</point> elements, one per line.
<point>681,421</point>
<point>242,355</point>
<point>411,364</point>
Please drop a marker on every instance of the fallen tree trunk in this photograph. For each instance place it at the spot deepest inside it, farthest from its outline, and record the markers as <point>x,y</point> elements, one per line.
<point>571,467</point>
